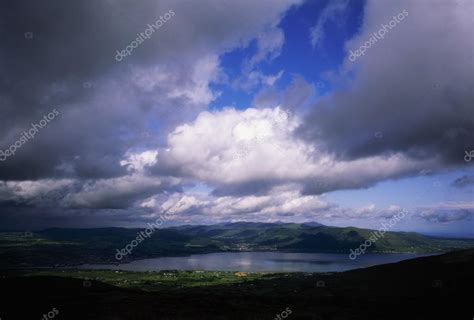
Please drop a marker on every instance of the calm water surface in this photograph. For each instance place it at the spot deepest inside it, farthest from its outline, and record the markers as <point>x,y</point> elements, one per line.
<point>259,262</point>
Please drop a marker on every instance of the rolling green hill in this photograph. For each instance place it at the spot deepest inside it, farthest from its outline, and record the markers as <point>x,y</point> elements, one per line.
<point>66,247</point>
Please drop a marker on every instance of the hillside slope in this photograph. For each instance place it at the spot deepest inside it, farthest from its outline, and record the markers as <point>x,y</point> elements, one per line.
<point>435,287</point>
<point>63,247</point>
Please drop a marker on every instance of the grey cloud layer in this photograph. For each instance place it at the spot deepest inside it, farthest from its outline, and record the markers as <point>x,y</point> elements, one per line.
<point>415,87</point>
<point>74,44</point>
<point>67,61</point>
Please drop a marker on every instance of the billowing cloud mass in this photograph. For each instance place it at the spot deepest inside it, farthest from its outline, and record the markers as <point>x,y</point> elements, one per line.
<point>447,212</point>
<point>105,105</point>
<point>135,137</point>
<point>227,149</point>
<point>415,87</point>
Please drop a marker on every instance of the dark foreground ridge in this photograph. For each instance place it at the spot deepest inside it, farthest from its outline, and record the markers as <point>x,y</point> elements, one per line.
<point>435,287</point>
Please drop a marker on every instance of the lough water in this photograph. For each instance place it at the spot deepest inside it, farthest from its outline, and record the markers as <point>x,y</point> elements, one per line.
<point>259,262</point>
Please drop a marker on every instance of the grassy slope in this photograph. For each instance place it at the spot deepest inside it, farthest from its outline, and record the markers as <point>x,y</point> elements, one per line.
<point>435,287</point>
<point>75,246</point>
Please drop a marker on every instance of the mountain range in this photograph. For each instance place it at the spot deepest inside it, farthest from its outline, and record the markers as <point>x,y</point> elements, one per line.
<point>67,247</point>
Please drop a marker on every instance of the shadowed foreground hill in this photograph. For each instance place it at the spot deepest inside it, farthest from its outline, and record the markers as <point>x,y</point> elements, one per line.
<point>436,287</point>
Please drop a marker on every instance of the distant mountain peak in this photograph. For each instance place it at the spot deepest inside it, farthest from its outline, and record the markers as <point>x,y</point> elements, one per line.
<point>313,224</point>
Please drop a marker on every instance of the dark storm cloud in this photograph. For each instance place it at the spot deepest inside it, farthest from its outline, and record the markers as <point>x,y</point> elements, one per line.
<point>411,93</point>
<point>61,55</point>
<point>27,219</point>
<point>47,193</point>
<point>125,139</point>
<point>70,44</point>
<point>110,197</point>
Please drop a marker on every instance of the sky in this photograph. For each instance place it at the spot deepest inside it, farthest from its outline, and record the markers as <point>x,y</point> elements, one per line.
<point>344,112</point>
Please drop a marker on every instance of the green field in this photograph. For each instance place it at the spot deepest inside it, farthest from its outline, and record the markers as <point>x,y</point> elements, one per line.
<point>155,281</point>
